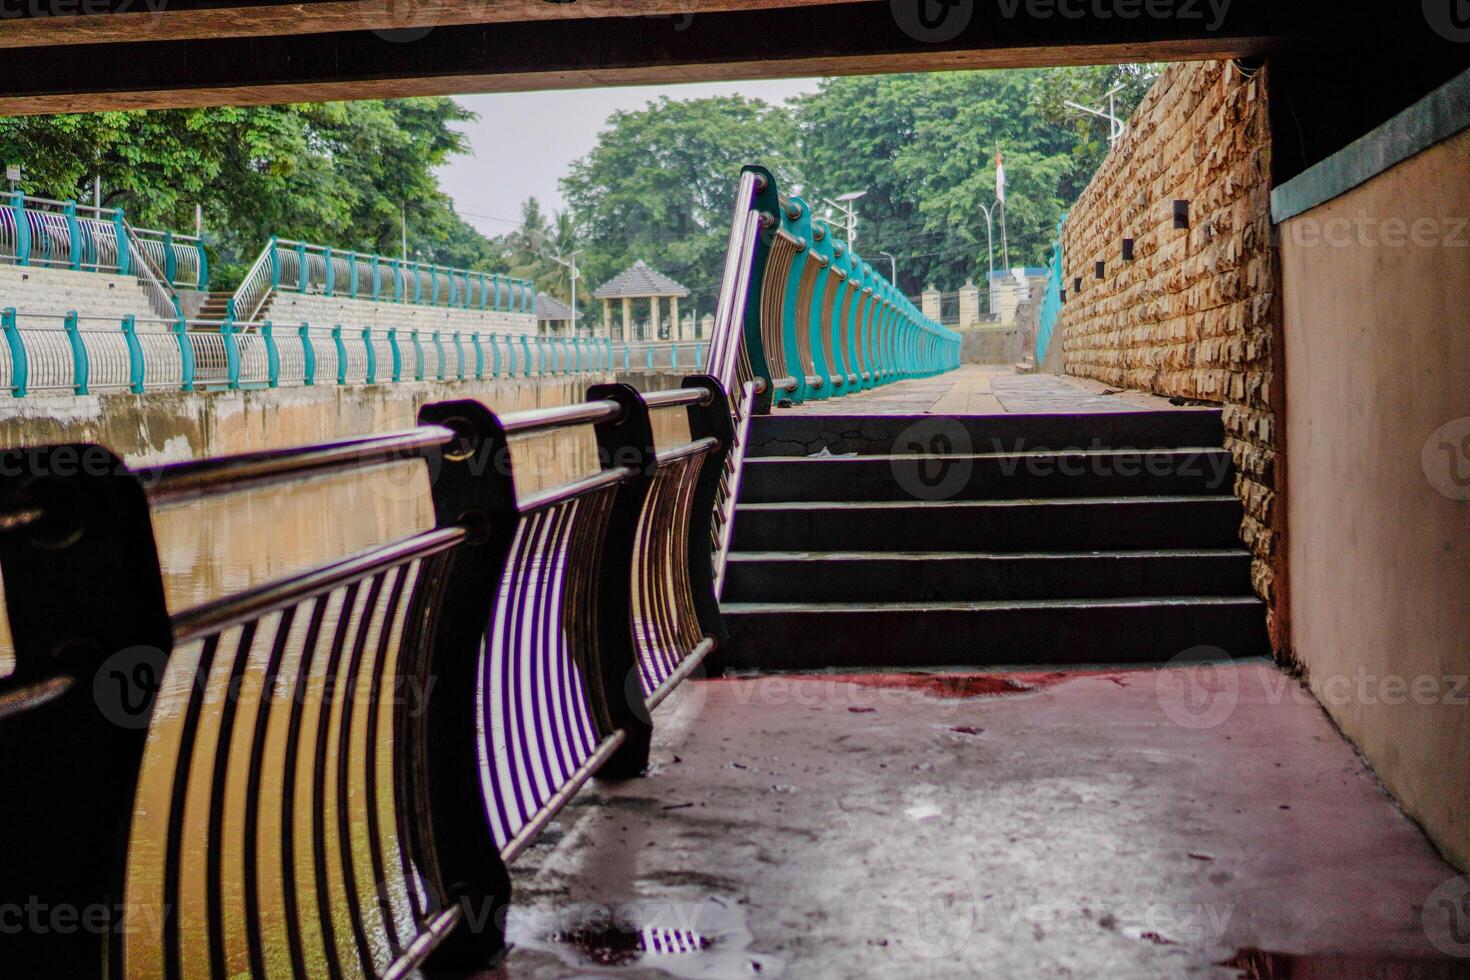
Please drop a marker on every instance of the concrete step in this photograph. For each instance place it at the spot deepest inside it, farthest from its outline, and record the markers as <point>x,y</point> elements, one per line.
<point>936,576</point>
<point>808,636</point>
<point>989,476</point>
<point>1025,525</point>
<point>802,435</point>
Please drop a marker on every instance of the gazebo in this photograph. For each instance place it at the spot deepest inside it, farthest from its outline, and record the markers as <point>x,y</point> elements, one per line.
<point>640,282</point>
<point>554,316</point>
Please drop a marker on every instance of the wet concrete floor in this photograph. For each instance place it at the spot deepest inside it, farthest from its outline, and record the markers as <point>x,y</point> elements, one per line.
<point>1206,821</point>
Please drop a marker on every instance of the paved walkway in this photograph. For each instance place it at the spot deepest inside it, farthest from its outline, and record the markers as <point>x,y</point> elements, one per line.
<point>1096,824</point>
<point>1205,821</point>
<point>986,389</point>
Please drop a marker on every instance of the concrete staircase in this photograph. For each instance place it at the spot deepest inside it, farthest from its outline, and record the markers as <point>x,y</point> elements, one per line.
<point>1008,539</point>
<point>216,304</point>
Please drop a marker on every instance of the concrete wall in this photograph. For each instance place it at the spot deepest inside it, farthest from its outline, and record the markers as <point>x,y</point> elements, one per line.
<point>1378,519</point>
<point>1195,313</point>
<point>991,345</point>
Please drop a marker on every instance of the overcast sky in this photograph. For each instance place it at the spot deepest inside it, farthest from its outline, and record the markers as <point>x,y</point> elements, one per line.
<point>525,142</point>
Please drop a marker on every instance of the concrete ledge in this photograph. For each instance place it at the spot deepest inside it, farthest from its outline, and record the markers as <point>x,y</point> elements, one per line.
<point>1433,119</point>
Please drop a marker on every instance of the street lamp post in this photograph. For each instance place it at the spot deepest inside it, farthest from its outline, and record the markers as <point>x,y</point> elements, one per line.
<point>843,205</point>
<point>989,244</point>
<point>570,264</point>
<point>894,263</point>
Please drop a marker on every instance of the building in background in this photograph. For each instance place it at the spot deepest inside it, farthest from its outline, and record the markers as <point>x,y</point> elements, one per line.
<point>1009,288</point>
<point>641,282</point>
<point>554,317</point>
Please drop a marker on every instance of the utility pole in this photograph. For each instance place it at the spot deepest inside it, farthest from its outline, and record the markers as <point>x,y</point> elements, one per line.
<point>570,264</point>
<point>894,263</point>
<point>403,215</point>
<point>1005,248</point>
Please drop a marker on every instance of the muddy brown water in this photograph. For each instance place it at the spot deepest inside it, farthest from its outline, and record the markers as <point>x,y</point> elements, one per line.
<point>212,548</point>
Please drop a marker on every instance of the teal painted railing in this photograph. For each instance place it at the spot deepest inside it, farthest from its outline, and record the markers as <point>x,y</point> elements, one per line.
<point>66,235</point>
<point>55,353</point>
<point>800,315</point>
<point>1051,303</point>
<point>671,356</point>
<point>821,322</point>
<point>301,267</point>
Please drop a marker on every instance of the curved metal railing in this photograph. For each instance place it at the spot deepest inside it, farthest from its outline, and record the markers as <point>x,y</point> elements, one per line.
<point>283,808</point>
<point>801,316</point>
<point>1054,298</point>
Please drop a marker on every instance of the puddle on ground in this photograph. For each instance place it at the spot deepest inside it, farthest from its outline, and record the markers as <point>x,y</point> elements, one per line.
<point>923,811</point>
<point>957,687</point>
<point>1256,964</point>
<point>705,940</point>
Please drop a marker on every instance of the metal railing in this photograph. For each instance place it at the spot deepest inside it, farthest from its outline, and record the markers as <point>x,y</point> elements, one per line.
<point>685,355</point>
<point>283,810</point>
<point>1054,298</point>
<point>301,267</point>
<point>38,231</point>
<point>270,801</point>
<point>801,316</point>
<point>58,352</point>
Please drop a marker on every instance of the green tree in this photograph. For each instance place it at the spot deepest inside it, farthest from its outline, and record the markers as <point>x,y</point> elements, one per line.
<point>1090,87</point>
<point>660,183</point>
<point>530,247</point>
<point>923,147</point>
<point>347,174</point>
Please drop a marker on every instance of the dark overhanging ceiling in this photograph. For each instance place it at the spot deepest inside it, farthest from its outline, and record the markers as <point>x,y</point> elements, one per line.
<point>175,53</point>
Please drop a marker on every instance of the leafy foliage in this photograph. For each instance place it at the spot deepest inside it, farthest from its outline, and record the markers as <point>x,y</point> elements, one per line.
<point>923,146</point>
<point>344,173</point>
<point>659,186</point>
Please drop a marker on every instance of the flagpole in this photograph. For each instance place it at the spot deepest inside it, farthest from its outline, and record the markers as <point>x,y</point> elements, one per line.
<point>1000,199</point>
<point>1005,249</point>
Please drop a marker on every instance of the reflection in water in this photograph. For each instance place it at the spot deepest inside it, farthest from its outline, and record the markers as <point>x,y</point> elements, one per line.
<point>216,547</point>
<point>688,938</point>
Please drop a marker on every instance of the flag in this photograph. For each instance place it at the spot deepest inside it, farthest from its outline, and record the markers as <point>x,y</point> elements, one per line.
<point>1000,178</point>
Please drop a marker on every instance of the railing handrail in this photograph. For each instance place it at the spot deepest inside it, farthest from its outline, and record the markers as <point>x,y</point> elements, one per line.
<point>83,227</point>
<point>255,288</point>
<point>51,350</point>
<point>471,589</point>
<point>267,277</point>
<point>1052,300</point>
<point>161,295</point>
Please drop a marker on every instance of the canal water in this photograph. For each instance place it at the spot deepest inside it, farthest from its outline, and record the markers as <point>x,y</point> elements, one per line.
<point>213,548</point>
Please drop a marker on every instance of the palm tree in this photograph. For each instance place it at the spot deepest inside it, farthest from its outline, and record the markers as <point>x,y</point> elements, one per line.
<point>537,238</point>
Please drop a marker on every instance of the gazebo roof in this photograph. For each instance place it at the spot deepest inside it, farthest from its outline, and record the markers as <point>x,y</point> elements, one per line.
<point>551,308</point>
<point>637,282</point>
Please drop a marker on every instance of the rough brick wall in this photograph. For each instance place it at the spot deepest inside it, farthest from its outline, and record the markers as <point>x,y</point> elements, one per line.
<point>1195,313</point>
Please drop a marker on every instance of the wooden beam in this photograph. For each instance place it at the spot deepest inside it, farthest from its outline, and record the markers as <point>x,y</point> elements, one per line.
<point>52,23</point>
<point>854,37</point>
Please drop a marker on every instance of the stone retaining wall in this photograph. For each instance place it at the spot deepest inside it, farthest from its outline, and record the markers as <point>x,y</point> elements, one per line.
<point>1196,312</point>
